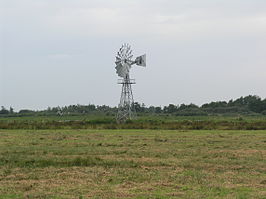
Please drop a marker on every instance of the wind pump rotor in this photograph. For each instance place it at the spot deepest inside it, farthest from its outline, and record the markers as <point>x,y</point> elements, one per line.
<point>124,60</point>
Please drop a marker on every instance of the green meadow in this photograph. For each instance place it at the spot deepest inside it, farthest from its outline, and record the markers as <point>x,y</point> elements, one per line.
<point>106,163</point>
<point>158,122</point>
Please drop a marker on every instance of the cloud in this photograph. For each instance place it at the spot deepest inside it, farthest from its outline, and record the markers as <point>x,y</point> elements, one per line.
<point>211,43</point>
<point>174,19</point>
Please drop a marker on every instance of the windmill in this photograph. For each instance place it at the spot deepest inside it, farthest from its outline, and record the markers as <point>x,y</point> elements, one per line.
<point>124,63</point>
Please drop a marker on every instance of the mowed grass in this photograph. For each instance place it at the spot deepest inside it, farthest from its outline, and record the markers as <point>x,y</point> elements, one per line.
<point>132,164</point>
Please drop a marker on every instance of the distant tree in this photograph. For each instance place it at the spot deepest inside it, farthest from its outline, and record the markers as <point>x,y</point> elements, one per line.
<point>143,107</point>
<point>248,101</point>
<point>254,103</point>
<point>103,108</point>
<point>243,105</point>
<point>11,110</point>
<point>158,109</point>
<point>3,110</point>
<point>150,109</point>
<point>171,108</point>
<point>137,107</point>
<point>215,104</point>
<point>190,106</point>
<point>26,111</point>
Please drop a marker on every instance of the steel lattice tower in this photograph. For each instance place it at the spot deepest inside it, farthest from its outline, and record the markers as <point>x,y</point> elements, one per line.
<point>126,109</point>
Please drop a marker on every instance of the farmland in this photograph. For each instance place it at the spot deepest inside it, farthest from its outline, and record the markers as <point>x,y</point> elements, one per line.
<point>124,163</point>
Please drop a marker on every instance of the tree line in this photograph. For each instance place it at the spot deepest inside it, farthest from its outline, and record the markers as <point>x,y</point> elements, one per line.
<point>251,104</point>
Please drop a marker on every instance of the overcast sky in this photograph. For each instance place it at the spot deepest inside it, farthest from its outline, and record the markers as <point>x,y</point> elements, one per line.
<point>62,52</point>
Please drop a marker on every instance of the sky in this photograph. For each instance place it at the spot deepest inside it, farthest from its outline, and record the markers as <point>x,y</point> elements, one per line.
<point>62,52</point>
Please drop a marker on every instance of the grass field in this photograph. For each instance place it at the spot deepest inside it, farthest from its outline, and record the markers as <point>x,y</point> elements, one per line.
<point>132,164</point>
<point>142,122</point>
